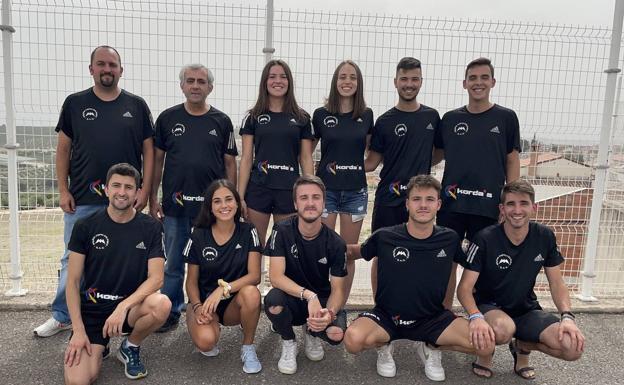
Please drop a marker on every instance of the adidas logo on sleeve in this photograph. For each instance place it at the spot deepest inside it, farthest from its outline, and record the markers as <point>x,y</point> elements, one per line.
<point>141,246</point>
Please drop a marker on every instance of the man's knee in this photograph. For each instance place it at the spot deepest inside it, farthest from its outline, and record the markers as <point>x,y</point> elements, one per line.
<point>354,340</point>
<point>504,330</point>
<point>275,310</point>
<point>159,306</point>
<point>569,350</point>
<point>334,333</point>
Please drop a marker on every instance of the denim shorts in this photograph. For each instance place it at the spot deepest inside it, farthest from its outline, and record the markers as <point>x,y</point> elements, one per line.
<point>354,202</point>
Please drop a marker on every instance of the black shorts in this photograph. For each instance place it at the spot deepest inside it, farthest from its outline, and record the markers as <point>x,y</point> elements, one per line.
<point>529,325</point>
<point>384,216</point>
<point>94,321</point>
<point>269,201</point>
<point>423,329</point>
<point>222,306</point>
<point>465,225</point>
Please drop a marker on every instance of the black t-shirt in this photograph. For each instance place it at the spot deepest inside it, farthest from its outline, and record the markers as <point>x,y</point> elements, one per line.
<point>475,149</point>
<point>412,274</point>
<point>195,146</point>
<point>405,139</point>
<point>507,272</point>
<point>116,256</point>
<point>227,261</point>
<point>308,262</point>
<point>102,134</point>
<point>343,142</point>
<point>277,143</point>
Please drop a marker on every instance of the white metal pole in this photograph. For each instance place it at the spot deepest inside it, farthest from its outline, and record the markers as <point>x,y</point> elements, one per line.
<point>11,147</point>
<point>268,49</point>
<point>602,164</point>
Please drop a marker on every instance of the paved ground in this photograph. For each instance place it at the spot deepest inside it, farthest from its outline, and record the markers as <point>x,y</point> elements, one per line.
<point>171,360</point>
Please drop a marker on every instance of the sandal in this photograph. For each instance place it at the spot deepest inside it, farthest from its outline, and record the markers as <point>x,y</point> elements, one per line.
<point>484,368</point>
<point>515,350</point>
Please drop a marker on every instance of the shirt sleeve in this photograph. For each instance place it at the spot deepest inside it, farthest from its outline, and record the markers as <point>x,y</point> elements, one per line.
<point>554,257</point>
<point>254,240</point>
<point>513,134</point>
<point>275,246</point>
<point>159,137</point>
<point>369,247</point>
<point>148,121</point>
<point>156,245</point>
<point>370,118</point>
<point>475,255</point>
<point>248,126</point>
<point>78,241</point>
<point>190,251</point>
<point>377,142</point>
<point>339,258</point>
<point>459,256</point>
<point>229,144</point>
<point>64,123</point>
<point>306,128</point>
<point>438,141</point>
<point>316,124</point>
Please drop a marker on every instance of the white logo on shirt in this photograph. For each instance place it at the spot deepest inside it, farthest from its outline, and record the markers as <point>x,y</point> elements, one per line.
<point>178,129</point>
<point>264,119</point>
<point>141,246</point>
<point>99,241</point>
<point>330,121</point>
<point>495,130</point>
<point>323,261</point>
<point>127,114</point>
<point>209,253</point>
<point>400,129</point>
<point>400,254</point>
<point>238,246</point>
<point>461,129</point>
<point>294,251</point>
<point>359,120</point>
<point>429,127</point>
<point>539,258</point>
<point>213,132</point>
<point>441,254</point>
<point>89,113</point>
<point>503,261</point>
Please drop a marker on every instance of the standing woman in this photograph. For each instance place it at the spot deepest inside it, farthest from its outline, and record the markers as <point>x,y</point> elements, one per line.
<point>223,257</point>
<point>277,138</point>
<point>344,126</point>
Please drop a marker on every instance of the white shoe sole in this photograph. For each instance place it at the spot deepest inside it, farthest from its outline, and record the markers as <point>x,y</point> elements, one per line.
<point>388,374</point>
<point>287,370</point>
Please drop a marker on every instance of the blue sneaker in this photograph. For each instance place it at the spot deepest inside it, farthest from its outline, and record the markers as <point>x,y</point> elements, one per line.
<point>251,364</point>
<point>129,356</point>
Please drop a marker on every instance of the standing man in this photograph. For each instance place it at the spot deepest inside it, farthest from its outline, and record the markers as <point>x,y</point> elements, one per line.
<point>304,254</point>
<point>480,143</point>
<point>415,262</point>
<point>98,127</point>
<point>198,140</point>
<point>116,264</point>
<point>403,139</point>
<point>496,288</point>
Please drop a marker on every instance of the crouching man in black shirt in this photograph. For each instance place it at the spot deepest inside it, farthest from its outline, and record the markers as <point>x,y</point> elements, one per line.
<point>305,254</point>
<point>496,288</point>
<point>116,264</point>
<point>415,261</point>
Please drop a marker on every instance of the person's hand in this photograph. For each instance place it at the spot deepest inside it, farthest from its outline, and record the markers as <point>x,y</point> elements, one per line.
<point>481,334</point>
<point>67,203</point>
<point>155,209</point>
<point>244,210</point>
<point>77,343</point>
<point>569,326</point>
<point>114,323</point>
<point>314,308</point>
<point>318,324</point>
<point>141,201</point>
<point>210,304</point>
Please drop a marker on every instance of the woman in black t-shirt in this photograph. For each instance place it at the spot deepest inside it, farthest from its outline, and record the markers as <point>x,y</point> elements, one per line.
<point>344,126</point>
<point>223,257</point>
<point>277,139</point>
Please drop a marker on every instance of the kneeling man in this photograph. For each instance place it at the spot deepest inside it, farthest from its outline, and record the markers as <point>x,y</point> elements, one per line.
<point>304,254</point>
<point>496,288</point>
<point>116,264</point>
<point>415,262</point>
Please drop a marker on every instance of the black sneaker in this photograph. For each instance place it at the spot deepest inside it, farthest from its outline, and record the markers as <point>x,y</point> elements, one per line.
<point>171,323</point>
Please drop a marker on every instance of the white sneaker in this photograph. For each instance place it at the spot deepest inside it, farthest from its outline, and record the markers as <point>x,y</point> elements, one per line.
<point>432,359</point>
<point>211,353</point>
<point>385,363</point>
<point>312,346</point>
<point>288,360</point>
<point>50,328</point>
